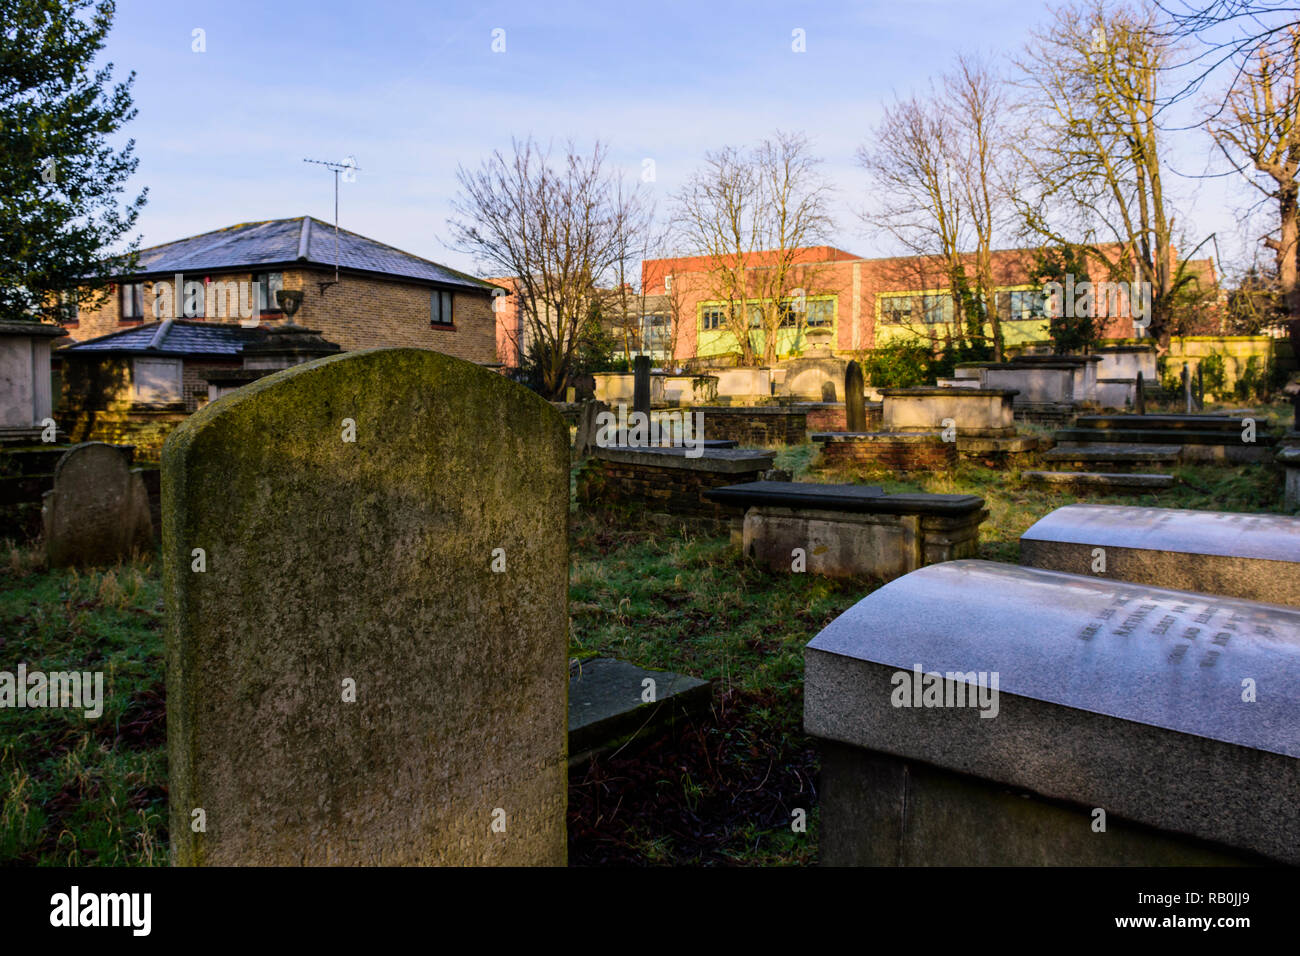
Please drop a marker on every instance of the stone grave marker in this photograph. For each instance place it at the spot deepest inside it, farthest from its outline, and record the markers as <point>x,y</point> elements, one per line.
<point>641,384</point>
<point>98,512</point>
<point>855,409</point>
<point>1253,556</point>
<point>1004,706</point>
<point>584,439</point>
<point>365,564</point>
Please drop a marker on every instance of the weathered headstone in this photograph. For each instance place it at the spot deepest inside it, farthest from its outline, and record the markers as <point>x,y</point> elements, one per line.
<point>365,563</point>
<point>855,409</point>
<point>1140,401</point>
<point>584,439</point>
<point>977,713</point>
<point>1253,556</point>
<point>641,384</point>
<point>98,512</point>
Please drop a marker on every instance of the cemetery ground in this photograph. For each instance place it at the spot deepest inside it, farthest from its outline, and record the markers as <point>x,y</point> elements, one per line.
<point>717,790</point>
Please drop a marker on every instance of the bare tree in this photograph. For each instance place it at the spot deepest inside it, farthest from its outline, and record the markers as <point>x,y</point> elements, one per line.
<point>770,200</point>
<point>560,230</point>
<point>977,104</point>
<point>1258,132</point>
<point>936,165</point>
<point>1095,169</point>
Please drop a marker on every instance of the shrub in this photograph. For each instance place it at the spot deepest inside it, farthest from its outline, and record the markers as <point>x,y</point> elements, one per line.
<point>900,364</point>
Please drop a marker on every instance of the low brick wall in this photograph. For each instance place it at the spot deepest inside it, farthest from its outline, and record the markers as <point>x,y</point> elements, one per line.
<point>665,484</point>
<point>911,451</point>
<point>831,417</point>
<point>762,426</point>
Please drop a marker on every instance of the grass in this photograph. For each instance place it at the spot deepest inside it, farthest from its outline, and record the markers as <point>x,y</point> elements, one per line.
<point>79,791</point>
<point>722,790</point>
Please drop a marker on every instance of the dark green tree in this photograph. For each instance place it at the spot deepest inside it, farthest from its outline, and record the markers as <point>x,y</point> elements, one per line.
<point>61,180</point>
<point>1069,333</point>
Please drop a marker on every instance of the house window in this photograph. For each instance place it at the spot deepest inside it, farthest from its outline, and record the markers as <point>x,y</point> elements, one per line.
<point>789,314</point>
<point>69,309</point>
<point>132,301</point>
<point>440,308</point>
<point>755,316</point>
<point>655,332</point>
<point>268,284</point>
<point>156,381</point>
<point>1025,304</point>
<point>712,319</point>
<point>194,297</point>
<point>821,313</point>
<point>896,309</point>
<point>938,309</point>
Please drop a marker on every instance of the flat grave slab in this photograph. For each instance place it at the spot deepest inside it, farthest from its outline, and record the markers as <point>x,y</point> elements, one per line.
<point>607,704</point>
<point>1100,480</point>
<point>1173,710</point>
<point>1253,556</point>
<point>847,530</point>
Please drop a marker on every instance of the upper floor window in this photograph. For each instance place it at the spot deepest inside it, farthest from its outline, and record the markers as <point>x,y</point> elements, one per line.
<point>132,299</point>
<point>69,308</point>
<point>713,318</point>
<point>440,308</point>
<point>895,309</point>
<point>938,308</point>
<point>1021,304</point>
<point>821,312</point>
<point>268,284</point>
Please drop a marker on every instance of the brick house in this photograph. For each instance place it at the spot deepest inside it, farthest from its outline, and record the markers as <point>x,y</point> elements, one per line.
<point>382,297</point>
<point>864,302</point>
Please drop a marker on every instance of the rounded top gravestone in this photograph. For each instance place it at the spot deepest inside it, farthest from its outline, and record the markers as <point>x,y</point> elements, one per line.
<point>366,570</point>
<point>98,512</point>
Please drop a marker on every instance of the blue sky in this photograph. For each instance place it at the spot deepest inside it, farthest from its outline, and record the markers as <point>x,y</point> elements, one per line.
<point>411,89</point>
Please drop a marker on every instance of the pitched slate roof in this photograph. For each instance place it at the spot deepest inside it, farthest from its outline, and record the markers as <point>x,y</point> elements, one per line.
<point>170,337</point>
<point>284,242</point>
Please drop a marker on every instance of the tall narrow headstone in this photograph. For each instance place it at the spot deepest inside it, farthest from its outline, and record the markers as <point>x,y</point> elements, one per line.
<point>641,384</point>
<point>1187,389</point>
<point>855,409</point>
<point>1140,401</point>
<point>98,512</point>
<point>365,564</point>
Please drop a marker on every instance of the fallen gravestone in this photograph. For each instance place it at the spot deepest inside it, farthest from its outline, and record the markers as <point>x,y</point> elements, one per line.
<point>976,713</point>
<point>365,563</point>
<point>1253,556</point>
<point>98,512</point>
<point>612,701</point>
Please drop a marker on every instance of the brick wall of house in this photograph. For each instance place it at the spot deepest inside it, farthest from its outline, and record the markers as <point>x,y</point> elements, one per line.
<point>856,284</point>
<point>359,312</point>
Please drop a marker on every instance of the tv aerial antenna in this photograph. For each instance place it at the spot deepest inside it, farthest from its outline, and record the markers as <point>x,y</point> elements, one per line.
<point>348,166</point>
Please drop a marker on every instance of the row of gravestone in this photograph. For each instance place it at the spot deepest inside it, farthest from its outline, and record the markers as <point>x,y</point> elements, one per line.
<point>366,573</point>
